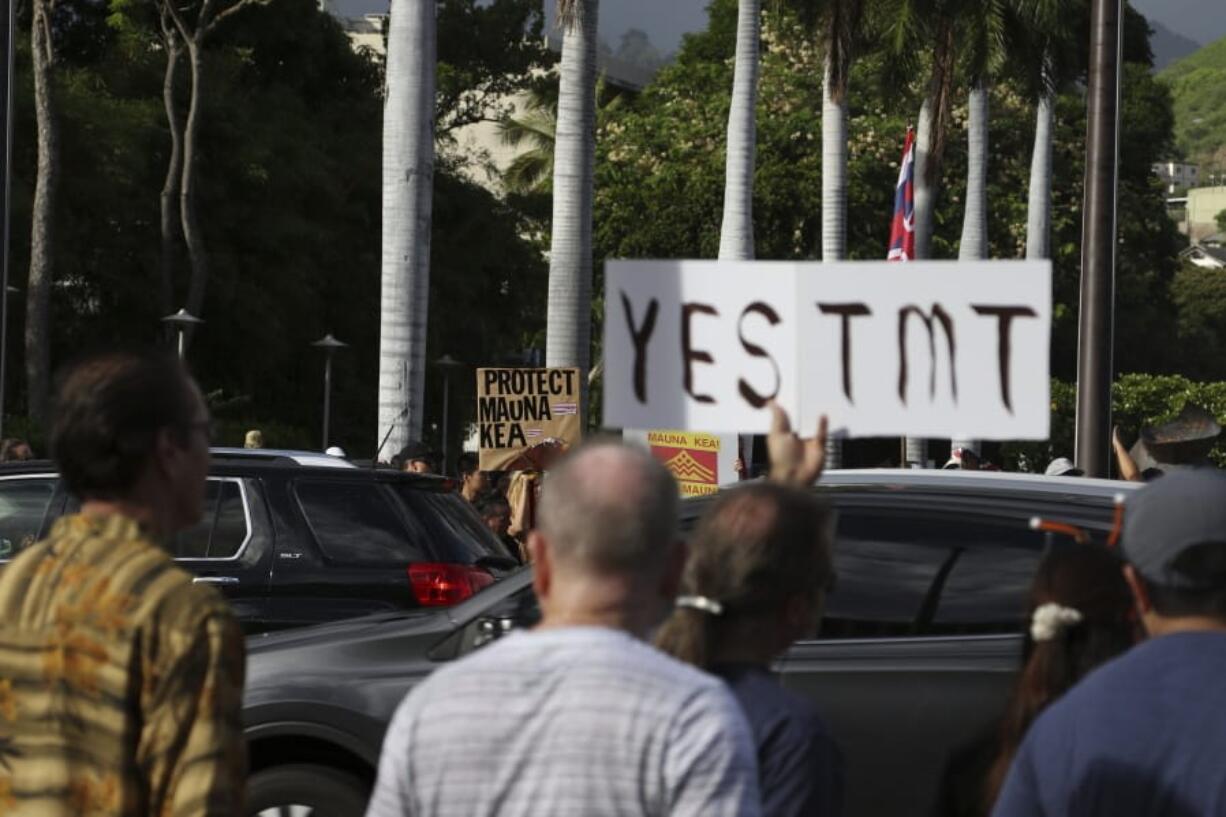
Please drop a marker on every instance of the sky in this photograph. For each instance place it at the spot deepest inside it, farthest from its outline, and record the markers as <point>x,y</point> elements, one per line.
<point>666,20</point>
<point>1202,21</point>
<point>663,20</point>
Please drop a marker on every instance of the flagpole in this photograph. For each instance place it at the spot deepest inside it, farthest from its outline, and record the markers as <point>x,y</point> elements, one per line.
<point>1096,320</point>
<point>904,247</point>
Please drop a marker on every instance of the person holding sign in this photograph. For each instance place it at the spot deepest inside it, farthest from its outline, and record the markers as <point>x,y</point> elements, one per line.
<point>759,568</point>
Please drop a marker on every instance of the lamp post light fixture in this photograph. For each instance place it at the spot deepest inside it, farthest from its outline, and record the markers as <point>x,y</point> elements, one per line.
<point>181,320</point>
<point>448,364</point>
<point>329,344</point>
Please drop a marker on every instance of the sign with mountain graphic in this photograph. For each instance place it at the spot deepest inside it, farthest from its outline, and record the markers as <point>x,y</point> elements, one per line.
<point>700,462</point>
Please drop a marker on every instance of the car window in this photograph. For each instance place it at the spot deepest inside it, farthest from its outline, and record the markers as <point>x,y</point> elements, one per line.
<point>222,530</point>
<point>884,566</point>
<point>986,589</point>
<point>913,573</point>
<point>456,532</point>
<point>357,523</point>
<point>23,508</point>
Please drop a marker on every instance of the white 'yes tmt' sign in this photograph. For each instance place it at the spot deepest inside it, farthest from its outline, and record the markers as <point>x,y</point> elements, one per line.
<point>937,349</point>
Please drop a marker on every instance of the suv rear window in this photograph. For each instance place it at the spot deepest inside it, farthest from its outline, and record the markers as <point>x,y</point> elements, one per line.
<point>456,532</point>
<point>222,530</point>
<point>358,524</point>
<point>23,507</point>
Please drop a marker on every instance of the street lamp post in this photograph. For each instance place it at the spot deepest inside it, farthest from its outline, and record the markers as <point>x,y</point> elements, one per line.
<point>1095,335</point>
<point>329,344</point>
<point>181,320</point>
<point>8,19</point>
<point>448,364</point>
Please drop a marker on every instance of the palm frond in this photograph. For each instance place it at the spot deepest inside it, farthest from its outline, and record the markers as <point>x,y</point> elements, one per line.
<point>529,172</point>
<point>537,127</point>
<point>568,13</point>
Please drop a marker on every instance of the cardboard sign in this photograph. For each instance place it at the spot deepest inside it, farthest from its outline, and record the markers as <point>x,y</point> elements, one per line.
<point>935,348</point>
<point>526,417</point>
<point>700,462</point>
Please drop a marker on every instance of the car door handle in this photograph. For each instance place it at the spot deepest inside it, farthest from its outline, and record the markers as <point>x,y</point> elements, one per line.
<point>215,580</point>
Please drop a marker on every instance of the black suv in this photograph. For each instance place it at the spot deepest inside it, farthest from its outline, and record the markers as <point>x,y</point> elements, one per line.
<point>295,538</point>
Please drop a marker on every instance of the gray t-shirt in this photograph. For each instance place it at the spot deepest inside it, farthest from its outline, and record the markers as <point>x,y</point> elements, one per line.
<point>575,721</point>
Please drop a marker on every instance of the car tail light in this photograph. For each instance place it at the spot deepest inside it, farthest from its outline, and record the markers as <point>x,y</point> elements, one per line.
<point>439,584</point>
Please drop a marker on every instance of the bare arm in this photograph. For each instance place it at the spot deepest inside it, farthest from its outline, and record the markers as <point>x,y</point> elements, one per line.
<point>1124,462</point>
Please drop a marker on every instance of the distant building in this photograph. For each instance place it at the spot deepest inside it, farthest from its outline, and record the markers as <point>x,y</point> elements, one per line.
<point>1204,203</point>
<point>1207,255</point>
<point>366,32</point>
<point>1177,175</point>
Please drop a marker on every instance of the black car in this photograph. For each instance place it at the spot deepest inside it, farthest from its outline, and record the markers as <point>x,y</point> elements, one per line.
<point>295,538</point>
<point>921,640</point>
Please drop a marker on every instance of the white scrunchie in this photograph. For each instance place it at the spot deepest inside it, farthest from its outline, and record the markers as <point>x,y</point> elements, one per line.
<point>1051,619</point>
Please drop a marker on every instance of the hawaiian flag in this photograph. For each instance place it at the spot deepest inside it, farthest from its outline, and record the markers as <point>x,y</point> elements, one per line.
<point>902,231</point>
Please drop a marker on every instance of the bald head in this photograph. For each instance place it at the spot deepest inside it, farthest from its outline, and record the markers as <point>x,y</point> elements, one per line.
<point>610,509</point>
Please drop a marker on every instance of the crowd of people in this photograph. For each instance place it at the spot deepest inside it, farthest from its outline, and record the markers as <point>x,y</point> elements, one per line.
<point>645,689</point>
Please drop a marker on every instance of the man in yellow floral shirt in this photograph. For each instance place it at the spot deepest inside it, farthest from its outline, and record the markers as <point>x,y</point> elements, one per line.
<point>120,679</point>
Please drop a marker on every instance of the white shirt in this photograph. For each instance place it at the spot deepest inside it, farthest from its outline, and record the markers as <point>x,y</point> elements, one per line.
<point>574,721</point>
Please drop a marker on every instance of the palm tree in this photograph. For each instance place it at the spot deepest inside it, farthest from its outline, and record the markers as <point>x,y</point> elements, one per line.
<point>986,22</point>
<point>736,229</point>
<point>569,309</point>
<point>408,179</point>
<point>838,27</point>
<point>1052,56</point>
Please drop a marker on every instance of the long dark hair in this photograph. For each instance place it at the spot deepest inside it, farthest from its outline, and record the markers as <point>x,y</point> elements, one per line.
<point>760,545</point>
<point>1088,579</point>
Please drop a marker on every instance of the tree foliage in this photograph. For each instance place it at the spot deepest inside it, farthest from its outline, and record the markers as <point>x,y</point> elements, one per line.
<point>290,201</point>
<point>663,155</point>
<point>1198,85</point>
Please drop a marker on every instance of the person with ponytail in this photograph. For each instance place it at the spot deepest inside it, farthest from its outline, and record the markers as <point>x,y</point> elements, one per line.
<point>1079,617</point>
<point>757,574</point>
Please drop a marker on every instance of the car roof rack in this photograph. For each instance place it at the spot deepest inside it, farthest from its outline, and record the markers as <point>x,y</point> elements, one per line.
<point>280,456</point>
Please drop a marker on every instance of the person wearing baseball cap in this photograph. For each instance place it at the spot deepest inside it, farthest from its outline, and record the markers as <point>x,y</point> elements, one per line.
<point>1146,733</point>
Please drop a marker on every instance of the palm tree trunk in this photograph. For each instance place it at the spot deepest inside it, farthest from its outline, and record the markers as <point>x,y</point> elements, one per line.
<point>834,197</point>
<point>736,229</point>
<point>974,244</point>
<point>569,306</point>
<point>1038,209</point>
<point>916,448</point>
<point>925,193</point>
<point>174,167</point>
<point>193,236</point>
<point>408,182</point>
<point>834,172</point>
<point>42,234</point>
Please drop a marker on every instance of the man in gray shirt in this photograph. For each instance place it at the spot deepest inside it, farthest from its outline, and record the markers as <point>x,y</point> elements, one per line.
<point>579,716</point>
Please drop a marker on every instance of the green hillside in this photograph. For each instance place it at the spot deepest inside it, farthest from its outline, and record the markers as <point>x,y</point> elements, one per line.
<point>1198,86</point>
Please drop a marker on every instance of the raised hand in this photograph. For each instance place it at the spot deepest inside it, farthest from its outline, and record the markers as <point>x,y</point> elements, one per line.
<point>794,461</point>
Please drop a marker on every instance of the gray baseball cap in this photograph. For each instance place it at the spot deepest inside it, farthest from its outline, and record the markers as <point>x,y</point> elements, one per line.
<point>1170,515</point>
